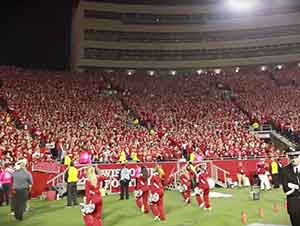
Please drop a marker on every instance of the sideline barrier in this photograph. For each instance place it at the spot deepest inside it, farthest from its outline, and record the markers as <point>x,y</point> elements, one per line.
<point>112,171</point>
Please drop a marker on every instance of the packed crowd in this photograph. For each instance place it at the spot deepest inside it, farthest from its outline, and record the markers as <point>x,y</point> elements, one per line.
<point>271,97</point>
<point>190,111</point>
<point>58,114</point>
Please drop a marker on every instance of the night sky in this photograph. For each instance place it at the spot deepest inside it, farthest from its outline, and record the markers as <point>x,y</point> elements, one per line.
<point>35,34</point>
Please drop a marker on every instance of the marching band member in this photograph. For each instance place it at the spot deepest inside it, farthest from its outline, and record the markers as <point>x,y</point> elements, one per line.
<point>202,188</point>
<point>291,185</point>
<point>157,195</point>
<point>186,182</point>
<point>92,207</point>
<point>142,190</point>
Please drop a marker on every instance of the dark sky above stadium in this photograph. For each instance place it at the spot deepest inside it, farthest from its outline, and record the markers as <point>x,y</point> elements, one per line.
<point>35,33</point>
<point>160,2</point>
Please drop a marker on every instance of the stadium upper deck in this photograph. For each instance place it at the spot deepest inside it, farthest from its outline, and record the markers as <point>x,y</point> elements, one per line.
<point>209,34</point>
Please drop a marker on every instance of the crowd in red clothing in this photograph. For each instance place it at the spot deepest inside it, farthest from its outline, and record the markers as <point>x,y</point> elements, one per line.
<point>182,114</point>
<point>268,96</point>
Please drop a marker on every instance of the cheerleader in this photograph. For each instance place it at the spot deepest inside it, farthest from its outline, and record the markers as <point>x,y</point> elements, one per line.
<point>142,190</point>
<point>185,188</point>
<point>92,207</point>
<point>202,189</point>
<point>156,197</point>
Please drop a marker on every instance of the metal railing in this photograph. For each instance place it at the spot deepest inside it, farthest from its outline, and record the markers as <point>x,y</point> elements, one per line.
<point>219,175</point>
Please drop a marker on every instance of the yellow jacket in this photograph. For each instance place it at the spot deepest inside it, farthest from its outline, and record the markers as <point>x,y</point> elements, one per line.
<point>192,157</point>
<point>67,160</point>
<point>274,168</point>
<point>122,157</point>
<point>136,121</point>
<point>134,156</point>
<point>72,174</point>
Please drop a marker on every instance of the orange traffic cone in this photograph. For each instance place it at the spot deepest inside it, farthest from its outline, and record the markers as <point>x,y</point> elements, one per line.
<point>276,207</point>
<point>261,212</point>
<point>244,217</point>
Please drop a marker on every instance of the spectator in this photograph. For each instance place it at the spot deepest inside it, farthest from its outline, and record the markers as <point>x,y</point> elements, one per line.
<point>241,175</point>
<point>5,184</point>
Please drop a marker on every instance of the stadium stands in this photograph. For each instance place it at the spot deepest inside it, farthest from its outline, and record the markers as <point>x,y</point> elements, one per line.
<point>94,112</point>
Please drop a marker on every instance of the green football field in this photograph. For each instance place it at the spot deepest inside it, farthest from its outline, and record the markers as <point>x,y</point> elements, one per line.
<point>225,212</point>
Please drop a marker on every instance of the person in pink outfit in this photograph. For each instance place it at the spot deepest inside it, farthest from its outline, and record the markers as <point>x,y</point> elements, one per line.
<point>5,184</point>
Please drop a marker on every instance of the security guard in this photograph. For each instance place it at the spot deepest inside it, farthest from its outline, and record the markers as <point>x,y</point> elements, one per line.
<point>71,178</point>
<point>275,173</point>
<point>291,185</point>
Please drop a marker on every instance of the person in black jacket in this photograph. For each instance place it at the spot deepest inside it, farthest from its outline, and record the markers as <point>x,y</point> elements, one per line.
<point>290,176</point>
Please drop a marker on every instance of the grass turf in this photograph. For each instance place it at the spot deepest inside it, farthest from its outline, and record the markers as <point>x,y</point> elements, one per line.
<point>225,212</point>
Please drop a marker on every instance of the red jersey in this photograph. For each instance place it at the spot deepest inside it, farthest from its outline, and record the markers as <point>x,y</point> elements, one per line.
<point>142,183</point>
<point>185,179</point>
<point>261,170</point>
<point>202,180</point>
<point>155,184</point>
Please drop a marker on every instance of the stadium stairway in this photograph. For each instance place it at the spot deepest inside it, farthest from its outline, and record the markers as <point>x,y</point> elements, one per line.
<point>283,139</point>
<point>218,175</point>
<point>59,184</point>
<point>266,130</point>
<point>271,74</point>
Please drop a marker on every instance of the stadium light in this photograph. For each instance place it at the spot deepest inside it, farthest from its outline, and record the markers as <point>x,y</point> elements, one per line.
<point>151,73</point>
<point>279,67</point>
<point>173,72</point>
<point>242,5</point>
<point>130,72</point>
<point>199,72</point>
<point>109,71</point>
<point>263,68</point>
<point>217,71</point>
<point>299,64</point>
<point>237,69</point>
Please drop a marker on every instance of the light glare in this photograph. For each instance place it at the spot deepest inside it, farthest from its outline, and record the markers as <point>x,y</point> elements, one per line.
<point>199,72</point>
<point>263,68</point>
<point>279,67</point>
<point>242,5</point>
<point>218,71</point>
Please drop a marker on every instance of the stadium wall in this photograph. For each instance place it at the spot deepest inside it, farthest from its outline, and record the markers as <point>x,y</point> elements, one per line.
<point>40,178</point>
<point>117,53</point>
